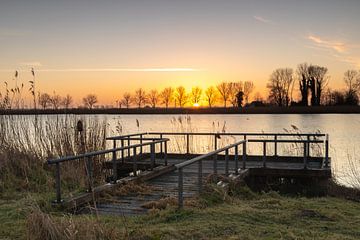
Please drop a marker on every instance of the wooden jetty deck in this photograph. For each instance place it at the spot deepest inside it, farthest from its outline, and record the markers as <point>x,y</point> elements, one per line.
<point>144,158</point>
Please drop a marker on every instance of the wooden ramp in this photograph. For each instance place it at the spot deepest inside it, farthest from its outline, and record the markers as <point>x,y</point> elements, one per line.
<point>166,185</point>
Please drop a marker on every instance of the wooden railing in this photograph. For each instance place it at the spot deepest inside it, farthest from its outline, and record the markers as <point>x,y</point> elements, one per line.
<point>88,158</point>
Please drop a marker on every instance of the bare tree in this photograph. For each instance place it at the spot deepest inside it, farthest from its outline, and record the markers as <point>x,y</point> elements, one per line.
<point>304,79</point>
<point>224,91</point>
<point>153,98</point>
<point>90,100</point>
<point>235,88</point>
<point>67,101</point>
<point>126,100</point>
<point>280,83</point>
<point>181,96</point>
<point>140,97</point>
<point>318,82</point>
<point>195,96</point>
<point>248,89</point>
<point>211,96</point>
<point>167,96</point>
<point>351,79</point>
<point>258,97</point>
<point>56,101</point>
<point>44,100</point>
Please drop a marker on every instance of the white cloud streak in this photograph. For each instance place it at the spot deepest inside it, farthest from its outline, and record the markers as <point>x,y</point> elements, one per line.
<point>262,19</point>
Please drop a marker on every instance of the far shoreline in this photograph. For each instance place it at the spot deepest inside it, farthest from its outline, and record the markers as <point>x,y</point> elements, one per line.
<point>201,110</point>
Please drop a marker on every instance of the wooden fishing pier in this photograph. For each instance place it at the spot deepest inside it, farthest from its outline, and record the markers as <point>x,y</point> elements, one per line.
<point>175,165</point>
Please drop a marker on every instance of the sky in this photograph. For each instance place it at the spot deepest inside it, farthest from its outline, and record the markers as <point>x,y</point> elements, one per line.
<point>110,47</point>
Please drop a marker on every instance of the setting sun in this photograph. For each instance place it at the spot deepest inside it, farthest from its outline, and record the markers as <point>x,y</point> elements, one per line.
<point>196,105</point>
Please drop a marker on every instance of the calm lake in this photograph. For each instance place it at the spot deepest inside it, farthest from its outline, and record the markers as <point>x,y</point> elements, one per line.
<point>343,130</point>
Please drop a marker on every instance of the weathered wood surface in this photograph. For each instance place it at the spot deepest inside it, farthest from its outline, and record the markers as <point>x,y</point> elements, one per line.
<point>165,184</point>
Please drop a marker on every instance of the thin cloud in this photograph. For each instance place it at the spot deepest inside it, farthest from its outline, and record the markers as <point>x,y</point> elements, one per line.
<point>31,64</point>
<point>337,46</point>
<point>262,19</point>
<point>116,70</point>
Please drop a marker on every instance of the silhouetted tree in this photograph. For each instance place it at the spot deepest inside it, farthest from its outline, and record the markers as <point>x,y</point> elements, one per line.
<point>90,100</point>
<point>56,101</point>
<point>167,96</point>
<point>211,96</point>
<point>352,80</point>
<point>240,98</point>
<point>181,96</point>
<point>248,89</point>
<point>351,98</point>
<point>318,81</point>
<point>234,87</point>
<point>258,97</point>
<point>279,85</point>
<point>304,79</point>
<point>140,97</point>
<point>126,100</point>
<point>153,98</point>
<point>196,95</point>
<point>44,100</point>
<point>224,91</point>
<point>67,101</point>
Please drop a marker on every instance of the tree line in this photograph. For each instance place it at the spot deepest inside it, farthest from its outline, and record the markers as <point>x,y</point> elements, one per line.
<point>308,80</point>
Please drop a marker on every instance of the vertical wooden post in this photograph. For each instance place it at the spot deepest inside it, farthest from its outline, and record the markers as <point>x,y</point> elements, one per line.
<point>236,159</point>
<point>90,174</point>
<point>308,146</point>
<point>141,141</point>
<point>215,163</point>
<point>227,162</point>
<point>122,151</point>
<point>275,147</point>
<point>187,144</point>
<point>114,163</point>
<point>200,176</point>
<point>305,155</point>
<point>165,153</point>
<point>264,154</point>
<point>134,161</point>
<point>215,142</point>
<point>161,147</point>
<point>180,189</point>
<point>327,151</point>
<point>244,155</point>
<point>128,143</point>
<point>58,183</point>
<point>152,155</point>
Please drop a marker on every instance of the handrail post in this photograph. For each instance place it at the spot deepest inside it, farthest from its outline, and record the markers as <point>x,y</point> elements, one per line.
<point>275,147</point>
<point>308,146</point>
<point>180,189</point>
<point>114,164</point>
<point>128,143</point>
<point>244,155</point>
<point>327,151</point>
<point>122,151</point>
<point>305,155</point>
<point>187,143</point>
<point>90,173</point>
<point>236,159</point>
<point>215,142</point>
<point>200,176</point>
<point>165,153</point>
<point>215,163</point>
<point>134,161</point>
<point>152,155</point>
<point>58,183</point>
<point>264,154</point>
<point>227,162</point>
<point>141,141</point>
<point>161,147</point>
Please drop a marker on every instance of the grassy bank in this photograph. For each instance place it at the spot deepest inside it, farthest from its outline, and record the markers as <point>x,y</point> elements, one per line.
<point>263,215</point>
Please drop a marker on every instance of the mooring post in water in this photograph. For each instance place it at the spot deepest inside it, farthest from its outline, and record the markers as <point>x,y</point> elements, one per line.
<point>244,154</point>
<point>327,151</point>
<point>134,161</point>
<point>236,159</point>
<point>180,189</point>
<point>114,162</point>
<point>305,155</point>
<point>264,154</point>
<point>58,184</point>
<point>227,162</point>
